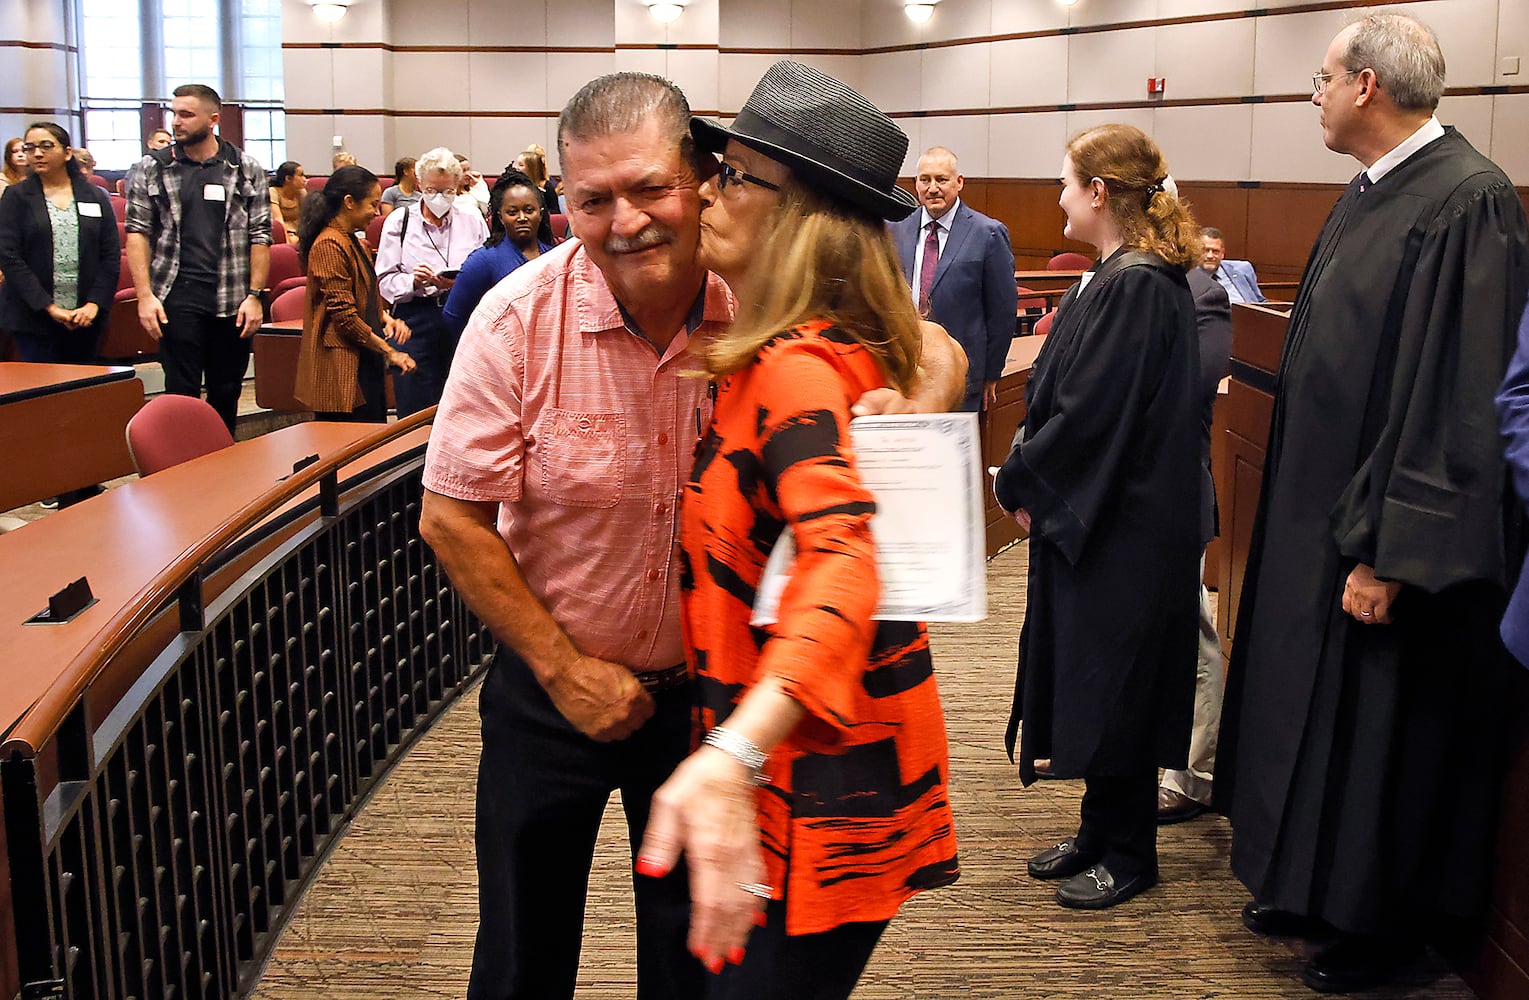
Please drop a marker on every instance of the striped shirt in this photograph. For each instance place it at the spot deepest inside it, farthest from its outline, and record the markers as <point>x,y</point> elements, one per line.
<point>584,434</point>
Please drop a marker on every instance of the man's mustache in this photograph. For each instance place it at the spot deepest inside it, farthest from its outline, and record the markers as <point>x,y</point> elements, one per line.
<point>654,235</point>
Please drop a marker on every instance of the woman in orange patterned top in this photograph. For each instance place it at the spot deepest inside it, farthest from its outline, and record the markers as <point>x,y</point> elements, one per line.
<point>817,803</point>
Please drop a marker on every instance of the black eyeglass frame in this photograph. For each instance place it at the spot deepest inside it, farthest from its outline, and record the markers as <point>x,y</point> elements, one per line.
<point>47,146</point>
<point>729,174</point>
<point>1320,80</point>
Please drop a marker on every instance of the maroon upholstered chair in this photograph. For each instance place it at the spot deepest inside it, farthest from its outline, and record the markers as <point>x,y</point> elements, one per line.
<point>170,430</point>
<point>1043,325</point>
<point>289,304</point>
<point>1069,262</point>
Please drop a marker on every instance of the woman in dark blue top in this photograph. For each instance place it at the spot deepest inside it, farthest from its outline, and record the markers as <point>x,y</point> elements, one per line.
<point>519,230</point>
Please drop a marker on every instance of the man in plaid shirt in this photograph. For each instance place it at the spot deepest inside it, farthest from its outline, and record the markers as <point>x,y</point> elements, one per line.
<point>198,247</point>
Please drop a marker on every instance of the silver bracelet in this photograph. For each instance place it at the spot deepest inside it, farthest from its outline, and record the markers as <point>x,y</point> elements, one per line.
<point>741,749</point>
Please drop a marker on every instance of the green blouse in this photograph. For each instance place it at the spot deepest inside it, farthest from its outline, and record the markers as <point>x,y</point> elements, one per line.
<point>66,254</point>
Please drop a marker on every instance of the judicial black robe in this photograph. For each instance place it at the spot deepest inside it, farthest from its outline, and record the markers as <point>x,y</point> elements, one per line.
<point>1108,466</point>
<point>1360,765</point>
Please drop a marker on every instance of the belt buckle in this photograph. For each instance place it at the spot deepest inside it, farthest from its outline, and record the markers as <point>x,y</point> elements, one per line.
<point>665,679</point>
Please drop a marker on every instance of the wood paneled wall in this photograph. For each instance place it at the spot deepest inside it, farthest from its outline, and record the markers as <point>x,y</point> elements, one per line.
<point>1271,224</point>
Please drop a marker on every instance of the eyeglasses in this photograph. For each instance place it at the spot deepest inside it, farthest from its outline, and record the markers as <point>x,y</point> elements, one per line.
<point>729,174</point>
<point>1320,80</point>
<point>47,146</point>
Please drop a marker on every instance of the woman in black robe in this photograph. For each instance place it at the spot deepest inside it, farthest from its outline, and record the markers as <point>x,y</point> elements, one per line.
<point>1105,476</point>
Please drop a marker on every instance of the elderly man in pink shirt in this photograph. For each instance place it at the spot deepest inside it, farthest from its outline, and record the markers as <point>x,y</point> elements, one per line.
<point>565,434</point>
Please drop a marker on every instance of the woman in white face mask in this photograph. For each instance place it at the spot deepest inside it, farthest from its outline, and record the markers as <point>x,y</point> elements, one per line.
<point>421,248</point>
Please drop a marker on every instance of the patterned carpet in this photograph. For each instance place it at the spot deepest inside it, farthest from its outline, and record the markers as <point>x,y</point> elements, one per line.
<point>393,912</point>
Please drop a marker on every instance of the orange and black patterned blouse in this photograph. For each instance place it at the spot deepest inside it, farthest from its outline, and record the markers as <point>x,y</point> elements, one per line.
<point>855,818</point>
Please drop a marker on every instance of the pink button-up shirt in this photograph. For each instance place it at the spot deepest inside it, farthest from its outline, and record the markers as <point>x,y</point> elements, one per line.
<point>584,434</point>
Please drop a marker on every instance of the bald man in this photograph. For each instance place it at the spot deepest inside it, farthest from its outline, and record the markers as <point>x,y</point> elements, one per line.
<point>961,268</point>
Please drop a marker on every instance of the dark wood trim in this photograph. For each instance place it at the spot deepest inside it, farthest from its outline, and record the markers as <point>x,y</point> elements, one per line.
<point>416,49</point>
<point>21,43</point>
<point>666,46</point>
<point>395,113</point>
<point>41,112</point>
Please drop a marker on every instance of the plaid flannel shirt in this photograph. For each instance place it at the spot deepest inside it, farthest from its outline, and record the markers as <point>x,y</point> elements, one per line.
<point>154,210</point>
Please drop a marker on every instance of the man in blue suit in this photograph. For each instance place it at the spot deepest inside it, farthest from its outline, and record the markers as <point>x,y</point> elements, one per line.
<point>961,268</point>
<point>1236,276</point>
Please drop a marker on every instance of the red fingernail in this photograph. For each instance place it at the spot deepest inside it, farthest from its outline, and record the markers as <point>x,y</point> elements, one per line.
<point>761,918</point>
<point>714,966</point>
<point>735,957</point>
<point>651,868</point>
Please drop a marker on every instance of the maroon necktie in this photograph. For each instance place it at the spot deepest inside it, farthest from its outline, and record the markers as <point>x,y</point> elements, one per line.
<point>926,268</point>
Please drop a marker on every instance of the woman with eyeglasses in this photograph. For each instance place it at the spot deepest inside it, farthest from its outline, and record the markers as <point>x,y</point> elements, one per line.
<point>816,805</point>
<point>519,231</point>
<point>59,252</point>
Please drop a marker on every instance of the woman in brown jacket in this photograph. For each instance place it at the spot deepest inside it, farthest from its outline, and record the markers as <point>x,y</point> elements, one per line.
<point>343,358</point>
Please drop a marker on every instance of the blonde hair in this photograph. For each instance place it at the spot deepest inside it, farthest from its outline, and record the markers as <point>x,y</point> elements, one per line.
<point>1150,216</point>
<point>535,166</point>
<point>820,260</point>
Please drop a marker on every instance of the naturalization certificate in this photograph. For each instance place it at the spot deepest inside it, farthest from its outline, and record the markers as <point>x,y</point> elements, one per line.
<point>925,473</point>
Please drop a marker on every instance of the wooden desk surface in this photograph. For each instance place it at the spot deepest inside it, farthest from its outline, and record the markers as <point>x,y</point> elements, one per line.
<point>124,538</point>
<point>22,380</point>
<point>1026,276</point>
<point>283,327</point>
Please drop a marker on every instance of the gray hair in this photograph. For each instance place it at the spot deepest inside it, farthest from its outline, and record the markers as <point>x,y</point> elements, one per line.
<point>1212,233</point>
<point>619,103</point>
<point>955,162</point>
<point>439,160</point>
<point>1405,55</point>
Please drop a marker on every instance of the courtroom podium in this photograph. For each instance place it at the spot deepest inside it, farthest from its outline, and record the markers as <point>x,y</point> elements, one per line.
<point>1239,441</point>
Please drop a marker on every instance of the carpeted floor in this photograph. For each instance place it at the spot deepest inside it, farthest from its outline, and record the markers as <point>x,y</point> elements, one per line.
<point>393,912</point>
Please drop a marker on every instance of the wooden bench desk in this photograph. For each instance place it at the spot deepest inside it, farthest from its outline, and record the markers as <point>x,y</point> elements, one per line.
<point>63,427</point>
<point>998,426</point>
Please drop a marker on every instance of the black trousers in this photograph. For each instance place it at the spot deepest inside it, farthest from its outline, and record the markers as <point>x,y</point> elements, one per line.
<point>1119,823</point>
<point>198,343</point>
<point>369,373</point>
<point>542,788</point>
<point>432,345</point>
<point>59,346</point>
<point>808,967</point>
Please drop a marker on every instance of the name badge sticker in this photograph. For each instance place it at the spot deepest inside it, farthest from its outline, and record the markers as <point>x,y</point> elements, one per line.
<point>214,192</point>
<point>90,209</point>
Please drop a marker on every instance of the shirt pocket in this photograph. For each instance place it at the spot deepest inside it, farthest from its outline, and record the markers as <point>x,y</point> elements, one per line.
<point>583,457</point>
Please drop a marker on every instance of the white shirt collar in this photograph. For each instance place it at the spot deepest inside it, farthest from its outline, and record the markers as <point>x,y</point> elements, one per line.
<point>944,220</point>
<point>1430,131</point>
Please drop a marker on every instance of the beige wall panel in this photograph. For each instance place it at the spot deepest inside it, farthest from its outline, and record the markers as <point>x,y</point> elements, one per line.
<point>493,22</point>
<point>882,22</point>
<point>965,135</point>
<point>736,76</point>
<point>580,22</point>
<point>299,25</point>
<point>1211,59</point>
<point>35,78</point>
<point>1110,65</point>
<point>1287,146</point>
<point>429,81</point>
<point>413,136</point>
<point>1028,71</point>
<point>1077,121</point>
<point>962,19</point>
<point>1510,140</point>
<point>1208,143</point>
<point>697,26</point>
<point>1513,39</point>
<point>363,78</point>
<point>845,68</point>
<point>1014,17</point>
<point>309,77</point>
<point>955,77</point>
<point>506,81</point>
<point>33,20</point>
<point>438,22</point>
<point>365,22</point>
<point>494,142</point>
<point>1026,145</point>
<point>755,24</point>
<point>891,80</point>
<point>1289,48</point>
<point>1118,11</point>
<point>819,24</point>
<point>568,71</point>
<point>914,129</point>
<point>1472,116</point>
<point>366,137</point>
<point>695,72</point>
<point>308,138</point>
<point>640,61</point>
<point>1467,31</point>
<point>1189,8</point>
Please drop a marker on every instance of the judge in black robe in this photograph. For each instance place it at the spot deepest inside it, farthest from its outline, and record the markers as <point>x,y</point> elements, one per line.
<point>1107,467</point>
<point>1361,744</point>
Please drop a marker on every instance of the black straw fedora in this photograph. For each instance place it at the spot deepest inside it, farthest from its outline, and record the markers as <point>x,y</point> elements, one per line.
<point>831,137</point>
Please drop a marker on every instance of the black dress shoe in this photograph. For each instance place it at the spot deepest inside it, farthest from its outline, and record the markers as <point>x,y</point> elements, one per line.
<point>1261,918</point>
<point>1061,861</point>
<point>1355,962</point>
<point>1095,888</point>
<point>1173,807</point>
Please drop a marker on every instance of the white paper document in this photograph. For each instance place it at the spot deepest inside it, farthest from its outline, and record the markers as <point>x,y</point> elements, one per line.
<point>925,471</point>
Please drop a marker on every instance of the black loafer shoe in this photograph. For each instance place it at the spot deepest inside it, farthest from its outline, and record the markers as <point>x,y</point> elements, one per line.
<point>1173,807</point>
<point>1355,963</point>
<point>1061,861</point>
<point>1095,888</point>
<point>1261,918</point>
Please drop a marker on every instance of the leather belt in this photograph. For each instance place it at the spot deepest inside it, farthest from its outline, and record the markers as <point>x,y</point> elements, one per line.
<point>665,679</point>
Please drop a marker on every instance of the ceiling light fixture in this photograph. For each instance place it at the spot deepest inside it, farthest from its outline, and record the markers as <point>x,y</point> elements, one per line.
<point>1067,3</point>
<point>919,13</point>
<point>665,13</point>
<point>329,11</point>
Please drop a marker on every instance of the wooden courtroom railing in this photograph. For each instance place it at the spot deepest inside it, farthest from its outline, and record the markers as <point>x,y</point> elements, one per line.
<point>180,777</point>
